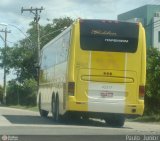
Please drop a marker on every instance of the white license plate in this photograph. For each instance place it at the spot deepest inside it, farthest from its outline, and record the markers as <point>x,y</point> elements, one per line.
<point>106,94</point>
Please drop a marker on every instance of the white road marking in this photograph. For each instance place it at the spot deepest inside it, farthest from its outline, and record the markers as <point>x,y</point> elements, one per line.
<point>4,121</point>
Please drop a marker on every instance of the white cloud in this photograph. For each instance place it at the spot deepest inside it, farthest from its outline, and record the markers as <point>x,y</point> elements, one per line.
<point>107,9</point>
<point>10,11</point>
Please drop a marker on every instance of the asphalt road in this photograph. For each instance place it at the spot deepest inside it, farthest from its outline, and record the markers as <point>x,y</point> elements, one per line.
<point>23,122</point>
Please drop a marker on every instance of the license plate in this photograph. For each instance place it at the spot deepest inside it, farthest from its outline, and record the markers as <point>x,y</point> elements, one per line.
<point>106,94</point>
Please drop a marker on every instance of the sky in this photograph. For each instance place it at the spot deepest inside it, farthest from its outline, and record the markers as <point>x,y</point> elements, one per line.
<point>18,23</point>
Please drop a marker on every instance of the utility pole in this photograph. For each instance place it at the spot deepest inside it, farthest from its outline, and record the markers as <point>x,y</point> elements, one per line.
<point>4,79</point>
<point>36,12</point>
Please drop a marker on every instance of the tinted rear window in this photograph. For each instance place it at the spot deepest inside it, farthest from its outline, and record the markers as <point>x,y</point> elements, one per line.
<point>114,36</point>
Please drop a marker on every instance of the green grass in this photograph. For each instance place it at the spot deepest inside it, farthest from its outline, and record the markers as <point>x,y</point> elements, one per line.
<point>35,108</point>
<point>147,118</point>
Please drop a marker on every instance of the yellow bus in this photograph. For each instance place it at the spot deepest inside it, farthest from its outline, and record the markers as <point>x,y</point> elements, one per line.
<point>94,69</point>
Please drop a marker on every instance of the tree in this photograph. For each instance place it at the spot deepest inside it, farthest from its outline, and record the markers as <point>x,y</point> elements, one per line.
<point>50,31</point>
<point>12,93</point>
<point>152,97</point>
<point>22,57</point>
<point>7,62</point>
<point>22,60</point>
<point>23,94</point>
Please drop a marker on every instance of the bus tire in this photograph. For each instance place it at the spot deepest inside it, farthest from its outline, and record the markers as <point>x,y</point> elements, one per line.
<point>55,107</point>
<point>115,120</point>
<point>43,113</point>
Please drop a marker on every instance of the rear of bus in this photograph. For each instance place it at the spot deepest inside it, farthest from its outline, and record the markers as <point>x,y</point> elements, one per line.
<point>107,70</point>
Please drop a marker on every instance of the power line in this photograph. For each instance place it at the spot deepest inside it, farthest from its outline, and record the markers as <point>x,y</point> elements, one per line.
<point>2,38</point>
<point>22,33</point>
<point>10,42</point>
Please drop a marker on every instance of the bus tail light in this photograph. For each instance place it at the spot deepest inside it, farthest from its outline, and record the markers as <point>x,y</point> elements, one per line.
<point>71,88</point>
<point>141,92</point>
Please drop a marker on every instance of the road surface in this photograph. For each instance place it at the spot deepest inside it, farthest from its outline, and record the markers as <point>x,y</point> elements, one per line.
<point>23,122</point>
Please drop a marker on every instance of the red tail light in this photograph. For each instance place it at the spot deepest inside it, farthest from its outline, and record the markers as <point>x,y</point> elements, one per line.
<point>71,87</point>
<point>141,92</point>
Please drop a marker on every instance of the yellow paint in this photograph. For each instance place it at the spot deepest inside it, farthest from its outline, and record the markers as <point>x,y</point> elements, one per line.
<point>111,62</point>
<point>138,60</point>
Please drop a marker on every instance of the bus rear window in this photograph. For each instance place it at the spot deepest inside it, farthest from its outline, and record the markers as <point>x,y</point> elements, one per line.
<point>114,36</point>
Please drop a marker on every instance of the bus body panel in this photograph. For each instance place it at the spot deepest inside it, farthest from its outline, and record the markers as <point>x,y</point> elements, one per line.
<point>53,73</point>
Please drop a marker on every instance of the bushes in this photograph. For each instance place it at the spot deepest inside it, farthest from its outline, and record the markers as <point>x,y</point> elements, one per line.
<point>22,94</point>
<point>152,97</point>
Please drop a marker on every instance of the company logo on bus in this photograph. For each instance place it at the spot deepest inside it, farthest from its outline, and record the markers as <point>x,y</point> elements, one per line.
<point>102,32</point>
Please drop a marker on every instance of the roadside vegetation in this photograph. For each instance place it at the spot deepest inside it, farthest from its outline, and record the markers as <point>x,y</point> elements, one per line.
<point>31,108</point>
<point>22,58</point>
<point>152,96</point>
<point>148,118</point>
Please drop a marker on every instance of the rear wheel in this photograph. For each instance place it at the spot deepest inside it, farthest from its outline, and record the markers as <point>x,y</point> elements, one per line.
<point>43,113</point>
<point>55,107</point>
<point>115,120</point>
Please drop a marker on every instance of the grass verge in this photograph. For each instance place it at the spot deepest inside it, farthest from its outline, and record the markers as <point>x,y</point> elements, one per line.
<point>35,108</point>
<point>147,118</point>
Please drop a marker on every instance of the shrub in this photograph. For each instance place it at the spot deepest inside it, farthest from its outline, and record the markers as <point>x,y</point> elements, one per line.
<point>152,97</point>
<point>23,94</point>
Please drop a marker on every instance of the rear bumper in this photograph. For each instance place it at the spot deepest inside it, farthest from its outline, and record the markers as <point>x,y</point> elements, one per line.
<point>101,107</point>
